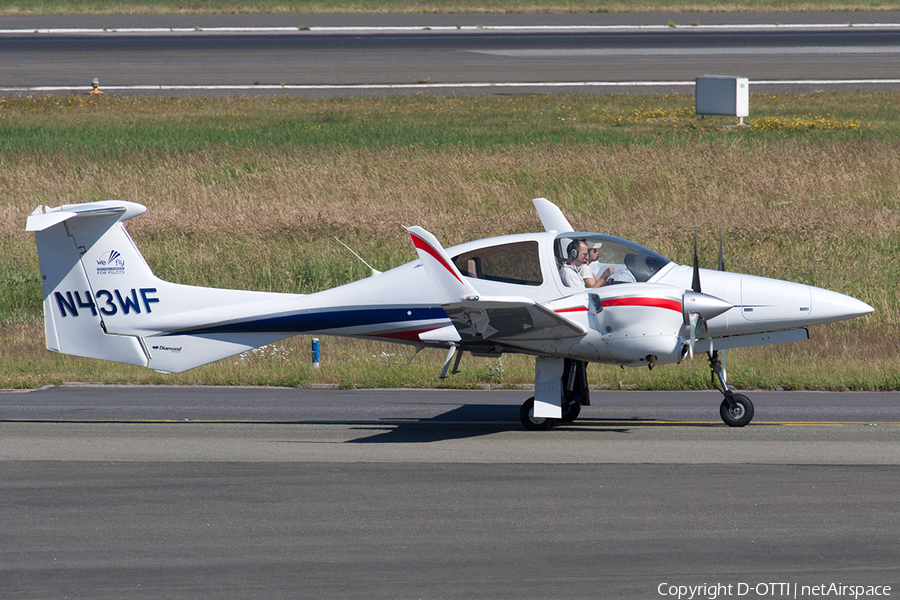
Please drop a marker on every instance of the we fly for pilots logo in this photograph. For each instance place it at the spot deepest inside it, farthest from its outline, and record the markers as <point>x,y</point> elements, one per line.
<point>111,263</point>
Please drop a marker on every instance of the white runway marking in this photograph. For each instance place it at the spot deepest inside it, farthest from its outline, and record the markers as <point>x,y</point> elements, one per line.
<point>441,29</point>
<point>745,51</point>
<point>425,86</point>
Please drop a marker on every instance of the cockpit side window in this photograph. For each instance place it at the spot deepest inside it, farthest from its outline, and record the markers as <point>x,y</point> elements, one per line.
<point>517,263</point>
<point>630,262</point>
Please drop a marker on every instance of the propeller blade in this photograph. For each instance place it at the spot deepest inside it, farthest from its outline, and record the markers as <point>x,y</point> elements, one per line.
<point>695,319</point>
<point>703,330</point>
<point>722,362</point>
<point>697,309</point>
<point>721,254</point>
<point>695,284</point>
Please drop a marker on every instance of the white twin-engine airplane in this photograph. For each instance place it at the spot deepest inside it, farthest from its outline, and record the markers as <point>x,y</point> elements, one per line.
<point>528,293</point>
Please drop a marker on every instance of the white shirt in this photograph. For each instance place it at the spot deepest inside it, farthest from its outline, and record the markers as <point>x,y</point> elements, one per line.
<point>571,276</point>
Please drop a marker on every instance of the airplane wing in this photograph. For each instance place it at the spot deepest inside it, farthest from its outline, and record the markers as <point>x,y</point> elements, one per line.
<point>509,319</point>
<point>480,318</point>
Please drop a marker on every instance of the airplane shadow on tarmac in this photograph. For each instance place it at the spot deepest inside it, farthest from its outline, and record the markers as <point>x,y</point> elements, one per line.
<point>484,419</point>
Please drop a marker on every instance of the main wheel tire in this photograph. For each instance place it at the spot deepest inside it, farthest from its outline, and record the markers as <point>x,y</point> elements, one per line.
<point>526,415</point>
<point>740,414</point>
<point>571,412</point>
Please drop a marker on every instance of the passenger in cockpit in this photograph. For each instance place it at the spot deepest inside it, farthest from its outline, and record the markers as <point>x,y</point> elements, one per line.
<point>576,272</point>
<point>613,273</point>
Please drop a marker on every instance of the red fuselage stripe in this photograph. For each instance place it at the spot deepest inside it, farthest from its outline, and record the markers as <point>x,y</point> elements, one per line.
<point>653,302</point>
<point>573,309</point>
<point>423,245</point>
<point>404,335</point>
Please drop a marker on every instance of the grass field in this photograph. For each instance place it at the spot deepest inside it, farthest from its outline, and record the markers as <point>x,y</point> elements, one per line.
<point>247,193</point>
<point>66,7</point>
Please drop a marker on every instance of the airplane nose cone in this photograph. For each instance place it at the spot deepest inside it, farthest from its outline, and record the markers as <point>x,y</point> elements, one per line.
<point>828,307</point>
<point>795,304</point>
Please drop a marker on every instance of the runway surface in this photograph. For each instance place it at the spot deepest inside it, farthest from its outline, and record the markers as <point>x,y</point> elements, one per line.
<point>159,492</point>
<point>488,54</point>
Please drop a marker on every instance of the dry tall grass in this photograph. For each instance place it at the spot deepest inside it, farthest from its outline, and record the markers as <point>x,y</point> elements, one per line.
<point>798,208</point>
<point>794,205</point>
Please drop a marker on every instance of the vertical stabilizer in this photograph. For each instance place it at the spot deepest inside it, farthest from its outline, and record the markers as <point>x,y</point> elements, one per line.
<point>102,300</point>
<point>72,312</point>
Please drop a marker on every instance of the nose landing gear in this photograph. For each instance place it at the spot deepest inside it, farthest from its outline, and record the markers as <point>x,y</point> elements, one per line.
<point>736,410</point>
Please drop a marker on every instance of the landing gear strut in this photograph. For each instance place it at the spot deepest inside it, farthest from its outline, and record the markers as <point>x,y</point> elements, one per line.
<point>736,410</point>
<point>575,394</point>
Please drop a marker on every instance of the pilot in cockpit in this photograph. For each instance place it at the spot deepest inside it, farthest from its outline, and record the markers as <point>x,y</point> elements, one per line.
<point>576,272</point>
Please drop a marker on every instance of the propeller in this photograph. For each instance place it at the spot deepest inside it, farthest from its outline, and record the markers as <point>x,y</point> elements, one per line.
<point>696,307</point>
<point>695,284</point>
<point>721,255</point>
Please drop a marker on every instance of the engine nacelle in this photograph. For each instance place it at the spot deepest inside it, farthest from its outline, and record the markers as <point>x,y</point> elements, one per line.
<point>641,324</point>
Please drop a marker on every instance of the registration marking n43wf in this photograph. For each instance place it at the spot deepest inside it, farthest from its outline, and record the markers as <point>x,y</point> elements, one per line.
<point>108,302</point>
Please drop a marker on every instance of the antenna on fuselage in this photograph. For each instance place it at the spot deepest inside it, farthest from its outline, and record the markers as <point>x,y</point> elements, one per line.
<point>374,270</point>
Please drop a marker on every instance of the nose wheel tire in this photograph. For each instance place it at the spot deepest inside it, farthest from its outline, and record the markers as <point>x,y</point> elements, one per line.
<point>738,415</point>
<point>526,415</point>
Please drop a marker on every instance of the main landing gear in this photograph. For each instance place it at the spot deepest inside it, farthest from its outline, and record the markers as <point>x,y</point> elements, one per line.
<point>574,395</point>
<point>736,410</point>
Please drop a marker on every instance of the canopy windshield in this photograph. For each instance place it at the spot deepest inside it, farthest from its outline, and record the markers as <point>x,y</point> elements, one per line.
<point>631,262</point>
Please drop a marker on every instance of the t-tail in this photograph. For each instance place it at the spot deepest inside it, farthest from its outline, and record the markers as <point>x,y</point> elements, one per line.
<point>101,299</point>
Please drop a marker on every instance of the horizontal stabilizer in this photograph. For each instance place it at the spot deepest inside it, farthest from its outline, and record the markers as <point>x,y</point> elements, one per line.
<point>45,217</point>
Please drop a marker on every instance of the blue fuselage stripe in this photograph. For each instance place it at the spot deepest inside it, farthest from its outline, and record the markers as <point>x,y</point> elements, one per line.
<point>321,321</point>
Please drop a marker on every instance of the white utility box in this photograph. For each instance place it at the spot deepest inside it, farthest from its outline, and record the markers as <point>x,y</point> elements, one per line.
<point>722,95</point>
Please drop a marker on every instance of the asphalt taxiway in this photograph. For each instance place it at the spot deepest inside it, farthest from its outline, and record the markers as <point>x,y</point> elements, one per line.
<point>336,55</point>
<point>152,492</point>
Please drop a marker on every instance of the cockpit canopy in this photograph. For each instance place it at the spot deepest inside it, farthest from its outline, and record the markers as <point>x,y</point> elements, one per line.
<point>630,262</point>
<point>517,260</point>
